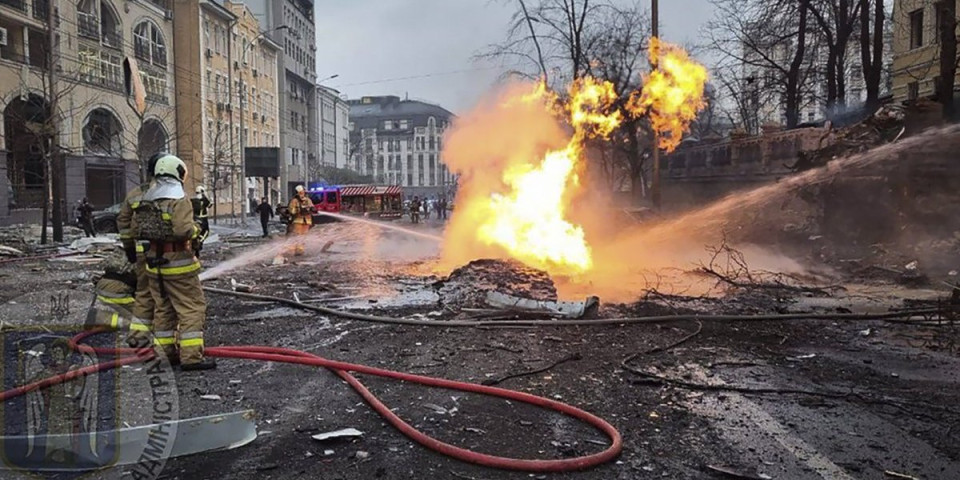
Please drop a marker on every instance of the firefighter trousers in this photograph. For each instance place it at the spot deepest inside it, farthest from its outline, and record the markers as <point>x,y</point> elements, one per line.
<point>181,311</point>
<point>297,230</point>
<point>143,304</point>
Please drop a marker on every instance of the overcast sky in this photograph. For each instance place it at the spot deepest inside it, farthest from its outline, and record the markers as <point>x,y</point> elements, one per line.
<point>425,48</point>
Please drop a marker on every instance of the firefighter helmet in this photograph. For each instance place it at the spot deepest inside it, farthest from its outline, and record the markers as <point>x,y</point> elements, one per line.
<point>171,166</point>
<point>201,189</point>
<point>299,189</point>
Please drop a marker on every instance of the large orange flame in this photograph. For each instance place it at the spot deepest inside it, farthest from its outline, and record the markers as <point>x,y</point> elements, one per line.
<point>520,159</point>
<point>672,94</point>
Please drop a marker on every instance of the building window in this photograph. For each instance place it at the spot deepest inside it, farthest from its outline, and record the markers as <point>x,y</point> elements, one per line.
<point>149,45</point>
<point>913,90</point>
<point>916,28</point>
<point>101,134</point>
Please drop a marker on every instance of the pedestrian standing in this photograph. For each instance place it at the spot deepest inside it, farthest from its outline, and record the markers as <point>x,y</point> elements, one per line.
<point>266,213</point>
<point>85,218</point>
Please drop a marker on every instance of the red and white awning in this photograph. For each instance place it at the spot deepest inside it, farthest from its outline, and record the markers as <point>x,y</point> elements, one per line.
<point>363,190</point>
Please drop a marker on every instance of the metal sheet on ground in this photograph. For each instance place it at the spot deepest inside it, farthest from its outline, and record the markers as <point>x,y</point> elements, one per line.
<point>193,435</point>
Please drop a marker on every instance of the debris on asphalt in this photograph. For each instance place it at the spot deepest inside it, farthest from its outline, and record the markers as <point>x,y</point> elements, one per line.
<point>731,473</point>
<point>240,287</point>
<point>556,309</point>
<point>467,286</point>
<point>343,433</point>
<point>211,397</point>
<point>892,474</point>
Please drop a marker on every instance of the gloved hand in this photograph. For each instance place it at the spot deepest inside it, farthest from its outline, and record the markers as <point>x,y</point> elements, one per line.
<point>196,245</point>
<point>131,251</point>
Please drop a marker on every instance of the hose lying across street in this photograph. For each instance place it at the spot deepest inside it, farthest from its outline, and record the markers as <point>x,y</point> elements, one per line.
<point>126,356</point>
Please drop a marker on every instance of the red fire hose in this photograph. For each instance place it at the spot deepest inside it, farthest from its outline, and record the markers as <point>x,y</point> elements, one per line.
<point>125,356</point>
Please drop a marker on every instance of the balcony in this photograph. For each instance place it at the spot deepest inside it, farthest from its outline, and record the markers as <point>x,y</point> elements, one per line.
<point>88,25</point>
<point>157,98</point>
<point>20,5</point>
<point>141,51</point>
<point>41,8</point>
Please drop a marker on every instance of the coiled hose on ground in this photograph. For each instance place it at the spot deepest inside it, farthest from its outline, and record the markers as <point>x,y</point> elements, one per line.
<point>126,356</point>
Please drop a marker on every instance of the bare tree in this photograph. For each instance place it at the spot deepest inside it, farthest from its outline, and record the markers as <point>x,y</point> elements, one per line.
<point>837,20</point>
<point>768,37</point>
<point>871,48</point>
<point>947,15</point>
<point>549,35</point>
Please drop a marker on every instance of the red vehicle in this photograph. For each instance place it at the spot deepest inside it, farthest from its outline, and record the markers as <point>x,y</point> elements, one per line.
<point>373,201</point>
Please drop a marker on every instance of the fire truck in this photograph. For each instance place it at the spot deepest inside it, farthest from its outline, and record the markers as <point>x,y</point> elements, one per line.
<point>384,202</point>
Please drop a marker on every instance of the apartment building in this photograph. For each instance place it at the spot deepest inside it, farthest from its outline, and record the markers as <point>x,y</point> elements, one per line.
<point>292,26</point>
<point>398,142</point>
<point>105,138</point>
<point>916,49</point>
<point>227,101</point>
<point>334,127</point>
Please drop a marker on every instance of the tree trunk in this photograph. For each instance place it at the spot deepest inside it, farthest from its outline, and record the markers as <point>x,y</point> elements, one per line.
<point>871,51</point>
<point>56,186</point>
<point>831,81</point>
<point>45,215</point>
<point>793,75</point>
<point>948,56</point>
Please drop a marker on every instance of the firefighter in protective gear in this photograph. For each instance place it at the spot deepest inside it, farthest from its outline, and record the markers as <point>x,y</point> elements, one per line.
<point>201,205</point>
<point>301,217</point>
<point>165,219</point>
<point>144,308</point>
<point>114,297</point>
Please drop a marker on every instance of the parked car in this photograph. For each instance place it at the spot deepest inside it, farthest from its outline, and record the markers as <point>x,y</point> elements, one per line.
<point>105,221</point>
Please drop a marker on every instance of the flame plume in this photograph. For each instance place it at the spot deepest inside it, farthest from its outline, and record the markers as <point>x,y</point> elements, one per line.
<point>520,159</point>
<point>672,94</point>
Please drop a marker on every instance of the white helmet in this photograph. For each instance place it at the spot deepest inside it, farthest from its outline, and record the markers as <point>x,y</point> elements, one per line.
<point>201,189</point>
<point>299,189</point>
<point>171,166</point>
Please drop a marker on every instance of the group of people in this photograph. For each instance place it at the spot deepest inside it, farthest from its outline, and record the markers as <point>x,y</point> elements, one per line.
<point>154,289</point>
<point>436,205</point>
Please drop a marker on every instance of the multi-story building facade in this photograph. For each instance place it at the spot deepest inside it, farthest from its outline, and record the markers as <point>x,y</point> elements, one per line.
<point>299,129</point>
<point>105,138</point>
<point>399,142</point>
<point>226,98</point>
<point>916,49</point>
<point>334,127</point>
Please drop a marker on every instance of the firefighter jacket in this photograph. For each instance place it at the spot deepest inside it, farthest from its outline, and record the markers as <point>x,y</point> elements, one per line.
<point>177,212</point>
<point>201,204</point>
<point>125,219</point>
<point>301,210</point>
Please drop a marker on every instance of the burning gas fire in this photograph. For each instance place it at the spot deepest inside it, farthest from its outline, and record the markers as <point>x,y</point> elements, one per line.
<point>520,161</point>
<point>672,95</point>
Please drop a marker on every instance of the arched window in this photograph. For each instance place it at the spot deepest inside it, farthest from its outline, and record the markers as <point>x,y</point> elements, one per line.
<point>97,20</point>
<point>149,45</point>
<point>102,133</point>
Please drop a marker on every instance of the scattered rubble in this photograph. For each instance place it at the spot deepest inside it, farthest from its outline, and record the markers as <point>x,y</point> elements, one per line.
<point>467,286</point>
<point>342,433</point>
<point>884,126</point>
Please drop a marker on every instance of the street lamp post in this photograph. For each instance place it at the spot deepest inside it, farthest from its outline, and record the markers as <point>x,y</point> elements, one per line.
<point>243,136</point>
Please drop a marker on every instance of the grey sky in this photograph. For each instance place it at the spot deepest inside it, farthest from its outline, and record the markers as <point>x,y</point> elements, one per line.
<point>373,45</point>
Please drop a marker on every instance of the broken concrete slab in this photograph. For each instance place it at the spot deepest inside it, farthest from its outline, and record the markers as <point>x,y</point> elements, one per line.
<point>586,308</point>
